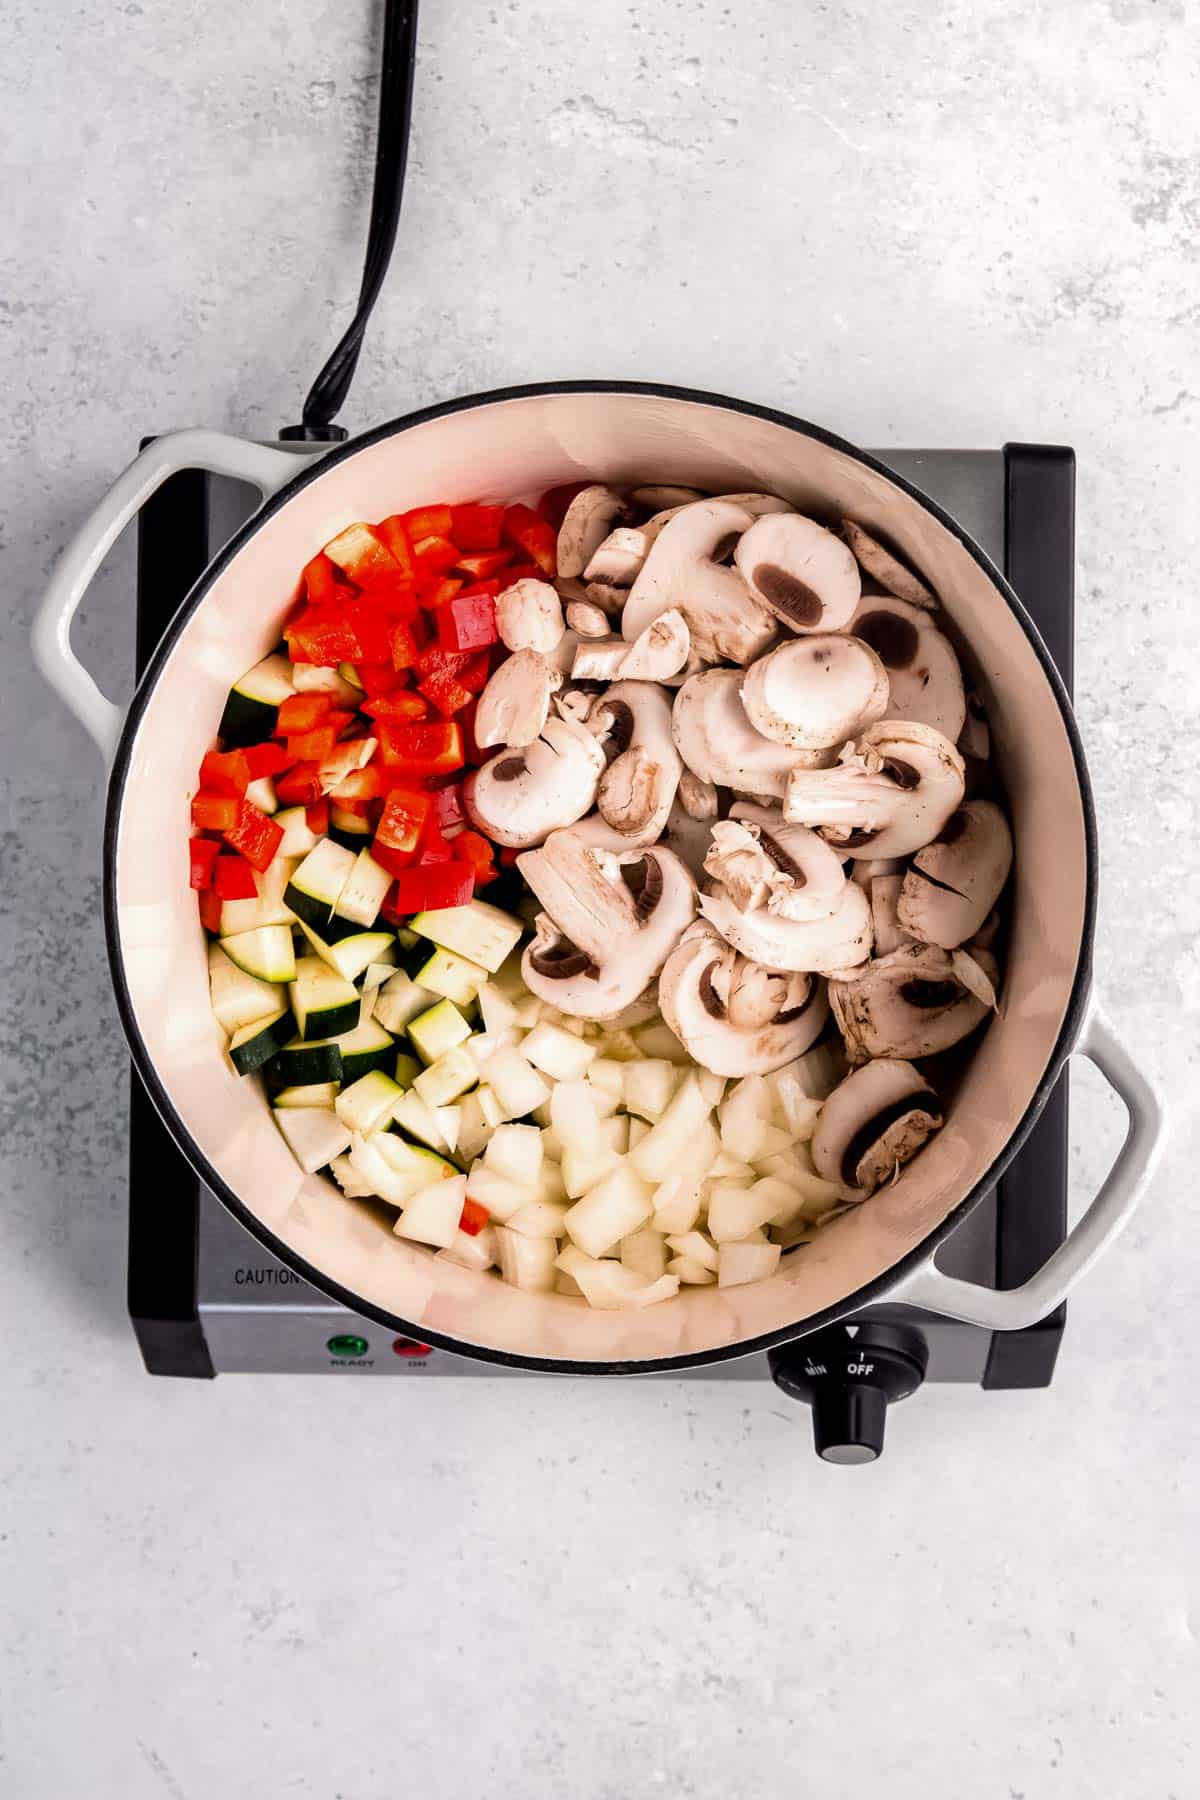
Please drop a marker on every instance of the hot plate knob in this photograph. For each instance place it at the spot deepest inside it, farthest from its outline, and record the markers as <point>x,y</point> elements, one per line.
<point>848,1374</point>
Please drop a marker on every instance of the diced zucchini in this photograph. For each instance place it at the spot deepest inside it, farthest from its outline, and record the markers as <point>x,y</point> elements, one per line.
<point>367,1103</point>
<point>256,1044</point>
<point>237,998</point>
<point>365,891</point>
<point>453,977</point>
<point>351,954</point>
<point>478,931</point>
<point>316,1137</point>
<point>350,676</point>
<point>447,1078</point>
<point>412,1115</point>
<point>431,1215</point>
<point>365,1048</point>
<point>254,702</point>
<point>316,1093</point>
<point>303,1061</point>
<point>324,1002</point>
<point>261,793</point>
<point>434,1032</point>
<point>349,829</point>
<point>407,1069</point>
<point>267,908</point>
<point>400,999</point>
<point>266,953</point>
<point>312,678</point>
<point>316,886</point>
<point>413,1160</point>
<point>298,840</point>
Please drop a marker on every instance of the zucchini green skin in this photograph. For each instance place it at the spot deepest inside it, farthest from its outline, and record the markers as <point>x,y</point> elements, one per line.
<point>301,1062</point>
<point>262,1043</point>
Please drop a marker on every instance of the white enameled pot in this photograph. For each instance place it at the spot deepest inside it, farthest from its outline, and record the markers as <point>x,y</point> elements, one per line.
<point>493,447</point>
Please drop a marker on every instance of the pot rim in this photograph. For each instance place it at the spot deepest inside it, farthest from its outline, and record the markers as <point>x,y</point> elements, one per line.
<point>874,1292</point>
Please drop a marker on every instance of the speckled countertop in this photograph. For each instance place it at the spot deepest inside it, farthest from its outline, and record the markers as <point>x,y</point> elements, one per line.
<point>918,224</point>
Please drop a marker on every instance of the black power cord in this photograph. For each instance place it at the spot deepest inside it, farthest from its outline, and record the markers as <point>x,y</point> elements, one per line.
<point>328,393</point>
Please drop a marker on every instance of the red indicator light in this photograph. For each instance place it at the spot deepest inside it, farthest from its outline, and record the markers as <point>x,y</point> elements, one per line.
<point>409,1347</point>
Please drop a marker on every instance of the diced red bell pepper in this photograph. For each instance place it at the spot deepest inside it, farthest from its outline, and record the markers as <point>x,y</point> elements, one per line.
<point>508,856</point>
<point>362,809</point>
<point>430,888</point>
<point>400,705</point>
<point>474,754</point>
<point>402,821</point>
<point>360,554</point>
<point>434,556</point>
<point>530,533</point>
<point>429,521</point>
<point>255,835</point>
<point>490,588</point>
<point>484,563</point>
<point>381,678</point>
<point>322,635</point>
<point>476,527</point>
<point>528,571</point>
<point>202,854</point>
<point>445,693</point>
<point>473,848</point>
<point>312,746</point>
<point>395,535</point>
<point>266,759</point>
<point>225,773</point>
<point>435,593</point>
<point>467,624</point>
<point>473,1218</point>
<point>316,816</point>
<point>403,642</point>
<point>210,910</point>
<point>372,627</point>
<point>555,501</point>
<point>320,580</point>
<point>300,786</point>
<point>234,879</point>
<point>475,672</point>
<point>215,812</point>
<point>302,712</point>
<point>433,847</point>
<point>447,806</point>
<point>360,784</point>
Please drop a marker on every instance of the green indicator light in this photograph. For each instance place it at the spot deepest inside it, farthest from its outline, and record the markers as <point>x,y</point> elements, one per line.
<point>347,1345</point>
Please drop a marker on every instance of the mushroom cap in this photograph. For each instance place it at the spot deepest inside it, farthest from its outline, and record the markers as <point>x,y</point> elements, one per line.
<point>922,669</point>
<point>816,946</point>
<point>803,573</point>
<point>587,620</point>
<point>719,744</point>
<point>609,922</point>
<point>732,1016</point>
<point>617,560</point>
<point>885,567</point>
<point>632,721</point>
<point>518,798</point>
<point>683,571</point>
<point>656,499</point>
<point>815,692</point>
<point>875,1120</point>
<point>529,616</point>
<point>586,523</point>
<point>761,860</point>
<point>912,1002</point>
<point>514,705</point>
<point>956,880</point>
<point>890,795</point>
<point>661,651</point>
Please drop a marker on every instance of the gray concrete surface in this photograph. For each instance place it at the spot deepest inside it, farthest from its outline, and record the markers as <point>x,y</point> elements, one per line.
<point>916,223</point>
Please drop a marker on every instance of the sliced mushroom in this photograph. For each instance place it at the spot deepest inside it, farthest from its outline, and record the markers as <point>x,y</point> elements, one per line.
<point>586,523</point>
<point>866,869</point>
<point>608,598</point>
<point>659,499</point>
<point>618,559</point>
<point>815,692</point>
<point>632,722</point>
<point>684,571</point>
<point>514,705</point>
<point>661,651</point>
<point>719,744</point>
<point>803,573</point>
<point>763,861</point>
<point>885,567</point>
<point>758,505</point>
<point>922,669</point>
<point>975,738</point>
<point>730,1015</point>
<point>885,894</point>
<point>586,620</point>
<point>529,616</point>
<point>840,941</point>
<point>698,798</point>
<point>891,794</point>
<point>599,659</point>
<point>873,1122</point>
<point>519,797</point>
<point>608,926</point>
<point>956,880</point>
<point>910,1003</point>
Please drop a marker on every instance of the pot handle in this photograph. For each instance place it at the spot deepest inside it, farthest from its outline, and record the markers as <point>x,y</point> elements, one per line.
<point>1015,1308</point>
<point>260,465</point>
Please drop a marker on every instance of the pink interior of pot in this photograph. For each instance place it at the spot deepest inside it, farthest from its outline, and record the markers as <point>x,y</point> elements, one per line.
<point>493,452</point>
